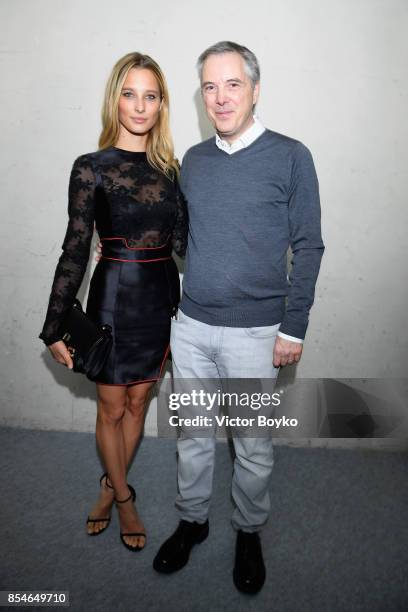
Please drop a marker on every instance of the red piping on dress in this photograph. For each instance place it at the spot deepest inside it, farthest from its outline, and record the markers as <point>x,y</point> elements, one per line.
<point>136,260</point>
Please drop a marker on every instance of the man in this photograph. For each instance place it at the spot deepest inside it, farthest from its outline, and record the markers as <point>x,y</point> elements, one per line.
<point>251,193</point>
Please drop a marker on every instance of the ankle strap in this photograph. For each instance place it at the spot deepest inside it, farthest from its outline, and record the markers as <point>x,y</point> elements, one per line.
<point>122,501</point>
<point>106,476</point>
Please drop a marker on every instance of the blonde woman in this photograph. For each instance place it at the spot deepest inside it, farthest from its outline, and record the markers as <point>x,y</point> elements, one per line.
<point>128,188</point>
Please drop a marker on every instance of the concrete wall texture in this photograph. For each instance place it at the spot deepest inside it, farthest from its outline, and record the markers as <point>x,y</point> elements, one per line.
<point>334,75</point>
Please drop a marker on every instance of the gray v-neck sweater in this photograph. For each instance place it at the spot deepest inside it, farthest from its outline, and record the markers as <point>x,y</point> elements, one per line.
<point>245,210</point>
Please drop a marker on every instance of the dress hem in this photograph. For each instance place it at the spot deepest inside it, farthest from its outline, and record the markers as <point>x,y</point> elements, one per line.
<point>137,382</point>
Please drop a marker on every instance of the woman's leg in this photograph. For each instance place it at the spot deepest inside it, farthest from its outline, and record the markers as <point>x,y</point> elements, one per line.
<point>133,421</point>
<point>121,415</point>
<point>109,436</point>
<point>132,426</point>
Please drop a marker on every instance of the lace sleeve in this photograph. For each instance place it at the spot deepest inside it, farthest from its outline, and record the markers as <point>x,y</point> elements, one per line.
<point>180,230</point>
<point>74,259</point>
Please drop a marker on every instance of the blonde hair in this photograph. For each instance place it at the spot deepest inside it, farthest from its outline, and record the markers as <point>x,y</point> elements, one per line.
<point>159,148</point>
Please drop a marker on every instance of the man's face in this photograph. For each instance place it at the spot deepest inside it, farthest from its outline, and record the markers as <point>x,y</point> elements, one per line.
<point>228,94</point>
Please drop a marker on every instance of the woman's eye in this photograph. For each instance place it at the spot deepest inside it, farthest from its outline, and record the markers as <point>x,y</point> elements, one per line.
<point>127,94</point>
<point>151,97</point>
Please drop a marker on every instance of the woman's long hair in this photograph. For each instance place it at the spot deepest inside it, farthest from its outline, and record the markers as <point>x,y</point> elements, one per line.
<point>159,148</point>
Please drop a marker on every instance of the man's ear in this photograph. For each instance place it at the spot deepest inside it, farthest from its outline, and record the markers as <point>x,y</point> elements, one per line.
<point>255,94</point>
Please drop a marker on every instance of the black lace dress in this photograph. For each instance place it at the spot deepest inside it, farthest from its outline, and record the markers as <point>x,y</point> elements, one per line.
<point>140,216</point>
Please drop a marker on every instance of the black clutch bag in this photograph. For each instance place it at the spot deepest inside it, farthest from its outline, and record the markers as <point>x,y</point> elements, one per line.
<point>88,344</point>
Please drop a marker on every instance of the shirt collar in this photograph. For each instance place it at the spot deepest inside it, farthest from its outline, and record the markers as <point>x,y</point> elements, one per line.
<point>247,138</point>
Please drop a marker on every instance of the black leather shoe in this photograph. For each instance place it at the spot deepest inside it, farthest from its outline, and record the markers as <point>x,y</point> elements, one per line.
<point>249,570</point>
<point>175,552</point>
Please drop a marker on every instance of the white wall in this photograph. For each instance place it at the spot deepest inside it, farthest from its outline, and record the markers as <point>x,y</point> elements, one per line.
<point>333,76</point>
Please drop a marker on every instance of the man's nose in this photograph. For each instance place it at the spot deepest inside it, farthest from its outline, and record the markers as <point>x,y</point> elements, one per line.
<point>221,97</point>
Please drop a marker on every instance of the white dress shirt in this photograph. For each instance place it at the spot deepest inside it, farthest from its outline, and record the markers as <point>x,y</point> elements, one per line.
<point>247,138</point>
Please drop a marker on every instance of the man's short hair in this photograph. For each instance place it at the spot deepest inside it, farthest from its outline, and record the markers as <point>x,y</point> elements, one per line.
<point>226,46</point>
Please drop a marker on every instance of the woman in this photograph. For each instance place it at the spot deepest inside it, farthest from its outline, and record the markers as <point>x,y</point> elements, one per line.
<point>129,189</point>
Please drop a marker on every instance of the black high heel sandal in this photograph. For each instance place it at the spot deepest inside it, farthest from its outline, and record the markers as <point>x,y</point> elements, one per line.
<point>135,533</point>
<point>106,519</point>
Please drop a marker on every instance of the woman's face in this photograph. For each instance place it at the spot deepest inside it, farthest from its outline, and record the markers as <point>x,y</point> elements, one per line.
<point>139,103</point>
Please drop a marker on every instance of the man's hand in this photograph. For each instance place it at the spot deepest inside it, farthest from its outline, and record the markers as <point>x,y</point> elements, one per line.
<point>286,352</point>
<point>98,249</point>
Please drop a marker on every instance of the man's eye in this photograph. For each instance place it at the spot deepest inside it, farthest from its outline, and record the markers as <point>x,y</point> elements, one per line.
<point>233,85</point>
<point>208,88</point>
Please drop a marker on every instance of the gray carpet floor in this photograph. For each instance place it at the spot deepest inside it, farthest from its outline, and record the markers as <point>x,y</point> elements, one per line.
<point>337,538</point>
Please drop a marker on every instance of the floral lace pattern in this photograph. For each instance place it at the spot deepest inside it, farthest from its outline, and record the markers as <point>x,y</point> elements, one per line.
<point>124,196</point>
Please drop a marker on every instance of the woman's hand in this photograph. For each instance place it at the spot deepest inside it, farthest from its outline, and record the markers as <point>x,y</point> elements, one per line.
<point>61,354</point>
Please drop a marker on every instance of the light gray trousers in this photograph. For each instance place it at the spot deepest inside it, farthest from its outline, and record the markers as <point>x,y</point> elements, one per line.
<point>208,353</point>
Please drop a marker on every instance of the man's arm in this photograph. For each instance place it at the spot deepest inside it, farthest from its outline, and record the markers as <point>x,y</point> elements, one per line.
<point>307,248</point>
